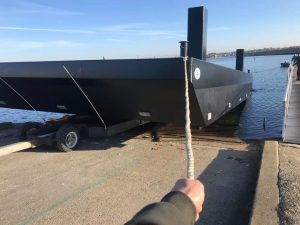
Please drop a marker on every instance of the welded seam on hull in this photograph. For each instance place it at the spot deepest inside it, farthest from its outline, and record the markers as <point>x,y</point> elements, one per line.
<point>87,98</point>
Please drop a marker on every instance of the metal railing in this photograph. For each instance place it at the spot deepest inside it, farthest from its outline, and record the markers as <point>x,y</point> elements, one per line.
<point>292,74</point>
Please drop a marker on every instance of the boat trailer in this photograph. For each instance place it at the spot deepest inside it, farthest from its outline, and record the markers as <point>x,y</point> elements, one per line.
<point>65,133</point>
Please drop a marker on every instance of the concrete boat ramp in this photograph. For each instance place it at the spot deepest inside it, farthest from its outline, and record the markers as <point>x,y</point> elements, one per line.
<point>106,181</point>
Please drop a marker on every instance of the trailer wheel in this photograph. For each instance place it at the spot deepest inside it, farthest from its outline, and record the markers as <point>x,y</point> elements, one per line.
<point>67,138</point>
<point>28,128</point>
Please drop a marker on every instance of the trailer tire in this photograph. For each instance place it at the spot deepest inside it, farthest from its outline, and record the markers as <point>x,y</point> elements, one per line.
<point>27,128</point>
<point>67,138</point>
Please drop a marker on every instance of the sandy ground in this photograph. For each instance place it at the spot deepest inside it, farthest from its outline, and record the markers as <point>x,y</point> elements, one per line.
<point>289,184</point>
<point>107,181</point>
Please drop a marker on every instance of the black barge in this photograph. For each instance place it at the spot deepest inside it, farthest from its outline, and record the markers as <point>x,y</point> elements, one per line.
<point>114,91</point>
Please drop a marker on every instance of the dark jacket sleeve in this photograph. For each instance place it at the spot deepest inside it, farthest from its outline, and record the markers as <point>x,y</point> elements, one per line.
<point>175,208</point>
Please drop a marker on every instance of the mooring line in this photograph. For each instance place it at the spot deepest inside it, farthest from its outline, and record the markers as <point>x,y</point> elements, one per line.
<point>188,133</point>
<point>21,96</point>
<point>87,98</point>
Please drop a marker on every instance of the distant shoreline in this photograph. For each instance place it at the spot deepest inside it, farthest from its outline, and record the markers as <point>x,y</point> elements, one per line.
<point>260,52</point>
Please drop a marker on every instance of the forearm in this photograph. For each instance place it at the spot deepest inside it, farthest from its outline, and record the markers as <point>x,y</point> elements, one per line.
<point>175,208</point>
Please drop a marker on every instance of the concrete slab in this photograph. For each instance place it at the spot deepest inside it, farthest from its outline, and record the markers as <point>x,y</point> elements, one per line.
<point>106,181</point>
<point>267,193</point>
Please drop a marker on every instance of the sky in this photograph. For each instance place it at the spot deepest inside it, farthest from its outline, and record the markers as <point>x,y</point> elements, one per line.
<point>36,30</point>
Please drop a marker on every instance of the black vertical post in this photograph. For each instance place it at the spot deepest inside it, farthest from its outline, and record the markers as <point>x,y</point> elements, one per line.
<point>239,65</point>
<point>183,49</point>
<point>197,32</point>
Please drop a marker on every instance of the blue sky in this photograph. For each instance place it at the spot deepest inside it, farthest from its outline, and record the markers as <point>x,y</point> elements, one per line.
<point>33,30</point>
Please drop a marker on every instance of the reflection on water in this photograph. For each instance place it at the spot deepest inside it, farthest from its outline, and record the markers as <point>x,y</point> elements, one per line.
<point>269,82</point>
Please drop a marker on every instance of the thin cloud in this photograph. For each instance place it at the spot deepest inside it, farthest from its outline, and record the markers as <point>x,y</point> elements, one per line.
<point>39,44</point>
<point>216,29</point>
<point>116,40</point>
<point>123,27</point>
<point>125,30</point>
<point>29,7</point>
<point>158,33</point>
<point>71,31</point>
<point>142,29</point>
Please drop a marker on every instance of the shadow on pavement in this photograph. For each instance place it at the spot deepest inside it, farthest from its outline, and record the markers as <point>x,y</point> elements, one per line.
<point>230,181</point>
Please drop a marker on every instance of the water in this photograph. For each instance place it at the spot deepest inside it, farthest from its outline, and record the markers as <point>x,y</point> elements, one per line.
<point>269,82</point>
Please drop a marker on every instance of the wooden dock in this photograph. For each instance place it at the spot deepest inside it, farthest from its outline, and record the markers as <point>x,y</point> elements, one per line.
<point>291,122</point>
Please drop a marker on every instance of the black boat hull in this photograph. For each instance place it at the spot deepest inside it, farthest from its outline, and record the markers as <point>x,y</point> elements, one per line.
<point>144,89</point>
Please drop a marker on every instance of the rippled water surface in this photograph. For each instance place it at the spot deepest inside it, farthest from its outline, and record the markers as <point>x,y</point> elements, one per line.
<point>269,82</point>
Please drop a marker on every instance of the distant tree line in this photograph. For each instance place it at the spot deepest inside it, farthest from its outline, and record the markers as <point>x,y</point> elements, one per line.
<point>274,51</point>
<point>260,52</point>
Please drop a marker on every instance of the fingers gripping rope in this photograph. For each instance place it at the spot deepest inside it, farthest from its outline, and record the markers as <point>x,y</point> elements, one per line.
<point>188,134</point>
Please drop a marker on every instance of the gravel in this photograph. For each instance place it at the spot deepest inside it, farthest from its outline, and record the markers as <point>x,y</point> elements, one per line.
<point>289,185</point>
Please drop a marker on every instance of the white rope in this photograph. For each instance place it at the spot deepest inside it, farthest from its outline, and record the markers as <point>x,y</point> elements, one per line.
<point>87,98</point>
<point>188,133</point>
<point>21,96</point>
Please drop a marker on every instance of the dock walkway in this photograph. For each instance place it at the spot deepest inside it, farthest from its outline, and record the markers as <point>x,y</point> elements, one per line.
<point>291,123</point>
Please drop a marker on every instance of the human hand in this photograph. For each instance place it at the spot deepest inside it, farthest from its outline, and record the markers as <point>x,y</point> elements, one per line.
<point>194,189</point>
